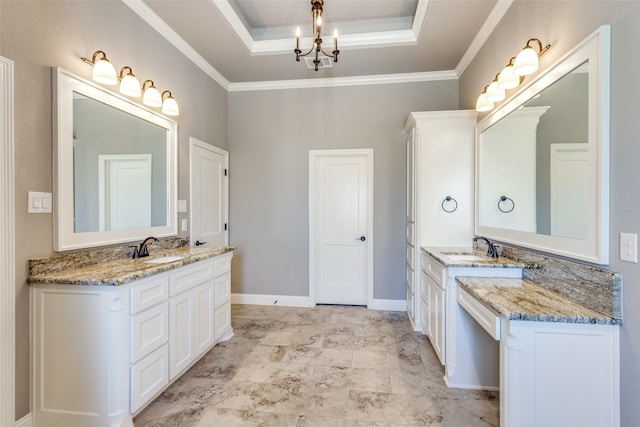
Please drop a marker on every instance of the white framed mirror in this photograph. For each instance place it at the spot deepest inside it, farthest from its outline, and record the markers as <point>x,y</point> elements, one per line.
<point>542,159</point>
<point>115,167</point>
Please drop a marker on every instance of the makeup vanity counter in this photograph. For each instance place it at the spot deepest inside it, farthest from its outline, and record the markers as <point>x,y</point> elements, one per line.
<point>109,335</point>
<point>559,358</point>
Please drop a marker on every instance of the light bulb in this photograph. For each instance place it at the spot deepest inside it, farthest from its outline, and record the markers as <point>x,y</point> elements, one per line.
<point>508,80</point>
<point>493,93</point>
<point>169,105</point>
<point>526,62</point>
<point>130,86</point>
<point>103,72</point>
<point>151,97</point>
<point>482,104</point>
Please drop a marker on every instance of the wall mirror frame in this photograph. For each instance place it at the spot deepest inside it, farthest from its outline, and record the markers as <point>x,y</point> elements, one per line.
<point>594,247</point>
<point>68,234</point>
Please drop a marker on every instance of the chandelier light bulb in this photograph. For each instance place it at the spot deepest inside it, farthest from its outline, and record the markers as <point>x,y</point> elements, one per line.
<point>151,97</point>
<point>169,104</point>
<point>129,84</point>
<point>103,71</point>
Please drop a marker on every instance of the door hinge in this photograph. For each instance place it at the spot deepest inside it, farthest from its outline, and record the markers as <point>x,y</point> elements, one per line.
<point>225,172</point>
<point>225,226</point>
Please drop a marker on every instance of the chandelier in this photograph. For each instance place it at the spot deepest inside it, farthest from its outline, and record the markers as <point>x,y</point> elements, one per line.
<point>316,12</point>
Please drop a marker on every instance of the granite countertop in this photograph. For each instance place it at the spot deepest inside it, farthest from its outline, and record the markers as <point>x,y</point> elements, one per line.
<point>65,269</point>
<point>521,299</point>
<point>469,257</point>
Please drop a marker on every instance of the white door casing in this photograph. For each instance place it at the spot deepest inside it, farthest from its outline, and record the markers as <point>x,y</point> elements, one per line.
<point>209,193</point>
<point>569,195</point>
<point>340,227</point>
<point>124,189</point>
<point>7,248</point>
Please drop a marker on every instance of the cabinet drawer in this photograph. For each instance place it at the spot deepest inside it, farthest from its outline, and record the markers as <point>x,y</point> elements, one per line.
<point>424,285</point>
<point>410,307</point>
<point>435,270</point>
<point>190,277</point>
<point>424,316</point>
<point>149,376</point>
<point>410,251</point>
<point>222,290</point>
<point>424,261</point>
<point>223,320</point>
<point>149,330</point>
<point>149,293</point>
<point>489,320</point>
<point>222,265</point>
<point>410,232</point>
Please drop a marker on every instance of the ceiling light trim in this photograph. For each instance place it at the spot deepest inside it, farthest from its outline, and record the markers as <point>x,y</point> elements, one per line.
<point>150,17</point>
<point>348,41</point>
<point>344,81</point>
<point>496,15</point>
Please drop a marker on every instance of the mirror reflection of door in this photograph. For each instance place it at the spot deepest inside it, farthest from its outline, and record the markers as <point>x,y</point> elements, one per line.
<point>569,190</point>
<point>124,183</point>
<point>209,189</point>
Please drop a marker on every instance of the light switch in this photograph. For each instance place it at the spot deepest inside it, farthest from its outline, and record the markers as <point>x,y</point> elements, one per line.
<point>183,225</point>
<point>39,202</point>
<point>182,205</point>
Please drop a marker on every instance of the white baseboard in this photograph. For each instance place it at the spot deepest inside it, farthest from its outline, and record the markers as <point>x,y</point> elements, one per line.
<point>389,305</point>
<point>297,301</point>
<point>24,421</point>
<point>284,300</point>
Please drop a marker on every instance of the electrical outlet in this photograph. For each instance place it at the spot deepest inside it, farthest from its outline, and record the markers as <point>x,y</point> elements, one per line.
<point>184,225</point>
<point>629,247</point>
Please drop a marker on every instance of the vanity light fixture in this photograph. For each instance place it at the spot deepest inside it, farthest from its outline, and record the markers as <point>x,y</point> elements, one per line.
<point>103,71</point>
<point>169,104</point>
<point>151,97</point>
<point>316,13</point>
<point>512,75</point>
<point>129,84</point>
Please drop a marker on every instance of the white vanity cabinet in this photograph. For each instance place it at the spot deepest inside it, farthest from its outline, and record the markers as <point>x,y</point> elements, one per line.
<point>101,353</point>
<point>439,190</point>
<point>433,285</point>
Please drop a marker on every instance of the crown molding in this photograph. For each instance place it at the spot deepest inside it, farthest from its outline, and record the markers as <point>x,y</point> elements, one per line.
<point>407,37</point>
<point>344,81</point>
<point>485,31</point>
<point>149,16</point>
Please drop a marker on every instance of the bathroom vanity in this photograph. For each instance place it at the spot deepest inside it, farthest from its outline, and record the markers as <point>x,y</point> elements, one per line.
<point>108,337</point>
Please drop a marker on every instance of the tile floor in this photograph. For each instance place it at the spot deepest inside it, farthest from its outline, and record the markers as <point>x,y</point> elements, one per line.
<point>324,366</point>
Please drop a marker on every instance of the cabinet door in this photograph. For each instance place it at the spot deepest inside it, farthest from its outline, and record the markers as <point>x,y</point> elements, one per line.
<point>223,321</point>
<point>181,332</point>
<point>205,319</point>
<point>436,305</point>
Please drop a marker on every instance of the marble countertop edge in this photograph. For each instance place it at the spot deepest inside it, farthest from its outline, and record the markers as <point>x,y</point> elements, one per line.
<point>440,254</point>
<point>121,271</point>
<point>521,299</point>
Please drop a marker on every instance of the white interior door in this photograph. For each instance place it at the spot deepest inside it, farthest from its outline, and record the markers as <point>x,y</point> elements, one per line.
<point>125,191</point>
<point>569,190</point>
<point>340,226</point>
<point>209,194</point>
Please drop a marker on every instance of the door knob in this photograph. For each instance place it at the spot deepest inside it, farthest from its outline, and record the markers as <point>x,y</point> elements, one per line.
<point>198,243</point>
<point>361,238</point>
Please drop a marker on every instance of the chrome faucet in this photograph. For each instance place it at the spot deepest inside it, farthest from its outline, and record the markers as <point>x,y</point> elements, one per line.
<point>143,250</point>
<point>491,249</point>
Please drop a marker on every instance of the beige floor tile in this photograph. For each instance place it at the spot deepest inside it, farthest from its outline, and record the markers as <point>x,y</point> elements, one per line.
<point>324,366</point>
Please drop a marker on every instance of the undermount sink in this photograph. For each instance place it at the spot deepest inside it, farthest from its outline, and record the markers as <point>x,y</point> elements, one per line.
<point>449,253</point>
<point>466,257</point>
<point>165,259</point>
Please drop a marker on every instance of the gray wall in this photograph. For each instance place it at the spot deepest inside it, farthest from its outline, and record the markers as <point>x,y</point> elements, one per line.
<point>40,35</point>
<point>270,135</point>
<point>564,24</point>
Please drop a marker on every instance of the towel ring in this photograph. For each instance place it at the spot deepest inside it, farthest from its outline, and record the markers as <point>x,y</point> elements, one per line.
<point>449,199</point>
<point>504,199</point>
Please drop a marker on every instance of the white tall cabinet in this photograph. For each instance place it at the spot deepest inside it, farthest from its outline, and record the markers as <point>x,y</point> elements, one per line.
<point>439,194</point>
